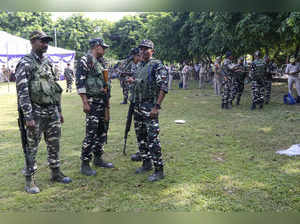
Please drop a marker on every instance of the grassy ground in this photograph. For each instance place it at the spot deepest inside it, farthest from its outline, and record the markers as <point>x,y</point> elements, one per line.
<point>217,161</point>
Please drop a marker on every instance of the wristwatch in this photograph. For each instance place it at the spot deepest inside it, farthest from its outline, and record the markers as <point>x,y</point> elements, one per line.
<point>157,106</point>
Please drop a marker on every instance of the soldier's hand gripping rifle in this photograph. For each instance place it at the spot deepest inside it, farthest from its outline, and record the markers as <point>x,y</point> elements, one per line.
<point>128,125</point>
<point>106,110</point>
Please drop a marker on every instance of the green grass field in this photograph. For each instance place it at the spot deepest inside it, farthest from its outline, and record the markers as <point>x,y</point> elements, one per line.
<point>217,161</point>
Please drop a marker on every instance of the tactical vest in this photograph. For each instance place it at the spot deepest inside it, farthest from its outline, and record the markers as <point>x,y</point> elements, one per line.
<point>258,69</point>
<point>145,88</point>
<point>43,89</point>
<point>95,80</point>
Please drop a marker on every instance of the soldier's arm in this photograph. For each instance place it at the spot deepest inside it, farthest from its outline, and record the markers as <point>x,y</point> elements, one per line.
<point>81,75</point>
<point>161,81</point>
<point>22,72</point>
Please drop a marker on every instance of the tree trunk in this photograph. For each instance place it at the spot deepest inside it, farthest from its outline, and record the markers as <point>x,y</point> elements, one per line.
<point>297,50</point>
<point>267,51</point>
<point>277,52</point>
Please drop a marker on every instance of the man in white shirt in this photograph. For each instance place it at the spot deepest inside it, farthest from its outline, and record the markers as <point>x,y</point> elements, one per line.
<point>202,74</point>
<point>292,70</point>
<point>218,77</point>
<point>197,68</point>
<point>185,71</point>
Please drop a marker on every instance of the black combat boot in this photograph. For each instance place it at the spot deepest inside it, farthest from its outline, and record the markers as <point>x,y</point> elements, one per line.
<point>298,99</point>
<point>253,107</point>
<point>58,176</point>
<point>99,162</point>
<point>136,157</point>
<point>86,169</point>
<point>226,106</point>
<point>238,101</point>
<point>30,186</point>
<point>147,166</point>
<point>223,105</point>
<point>261,105</point>
<point>157,175</point>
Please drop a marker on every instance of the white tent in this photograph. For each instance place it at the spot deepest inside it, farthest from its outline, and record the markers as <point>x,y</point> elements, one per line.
<point>12,48</point>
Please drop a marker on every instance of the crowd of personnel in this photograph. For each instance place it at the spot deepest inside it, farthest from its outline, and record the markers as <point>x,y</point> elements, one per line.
<point>40,107</point>
<point>145,81</point>
<point>228,77</point>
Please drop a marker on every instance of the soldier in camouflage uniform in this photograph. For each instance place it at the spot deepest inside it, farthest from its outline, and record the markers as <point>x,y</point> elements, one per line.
<point>91,88</point>
<point>39,100</point>
<point>128,69</point>
<point>69,76</point>
<point>227,70</point>
<point>270,70</point>
<point>239,81</point>
<point>257,75</point>
<point>149,88</point>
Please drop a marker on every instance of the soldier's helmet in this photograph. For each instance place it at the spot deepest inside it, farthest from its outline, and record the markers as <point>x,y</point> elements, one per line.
<point>218,58</point>
<point>147,43</point>
<point>98,41</point>
<point>40,35</point>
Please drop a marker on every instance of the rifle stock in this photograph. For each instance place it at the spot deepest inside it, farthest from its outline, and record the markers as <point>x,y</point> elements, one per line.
<point>106,110</point>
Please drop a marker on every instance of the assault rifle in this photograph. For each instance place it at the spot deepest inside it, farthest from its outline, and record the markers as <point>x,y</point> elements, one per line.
<point>29,162</point>
<point>128,125</point>
<point>106,110</point>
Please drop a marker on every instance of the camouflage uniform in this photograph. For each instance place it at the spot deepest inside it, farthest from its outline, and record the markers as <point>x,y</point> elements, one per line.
<point>238,83</point>
<point>227,83</point>
<point>151,77</point>
<point>257,74</point>
<point>95,134</point>
<point>126,69</point>
<point>268,81</point>
<point>45,115</point>
<point>68,73</point>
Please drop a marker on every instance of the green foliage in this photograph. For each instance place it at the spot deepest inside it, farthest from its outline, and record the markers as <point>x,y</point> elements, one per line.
<point>178,36</point>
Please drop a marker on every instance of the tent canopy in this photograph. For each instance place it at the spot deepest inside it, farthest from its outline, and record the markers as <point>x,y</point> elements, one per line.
<point>12,48</point>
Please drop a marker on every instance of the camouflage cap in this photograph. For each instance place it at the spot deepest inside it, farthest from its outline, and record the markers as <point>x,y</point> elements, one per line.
<point>98,41</point>
<point>147,43</point>
<point>218,58</point>
<point>40,35</point>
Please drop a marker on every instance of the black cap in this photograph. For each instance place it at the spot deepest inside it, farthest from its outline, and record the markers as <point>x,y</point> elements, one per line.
<point>40,35</point>
<point>147,43</point>
<point>98,41</point>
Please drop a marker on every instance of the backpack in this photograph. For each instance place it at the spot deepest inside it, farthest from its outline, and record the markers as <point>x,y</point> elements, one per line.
<point>289,99</point>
